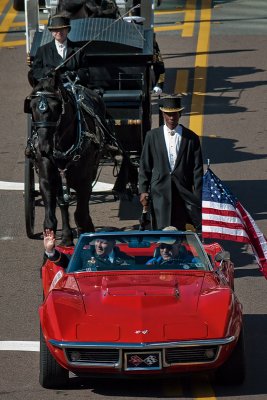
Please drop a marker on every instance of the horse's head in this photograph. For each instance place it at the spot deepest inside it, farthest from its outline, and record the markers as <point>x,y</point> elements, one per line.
<point>47,107</point>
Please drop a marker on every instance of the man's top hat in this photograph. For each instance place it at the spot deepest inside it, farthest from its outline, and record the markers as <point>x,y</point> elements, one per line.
<point>171,104</point>
<point>58,22</point>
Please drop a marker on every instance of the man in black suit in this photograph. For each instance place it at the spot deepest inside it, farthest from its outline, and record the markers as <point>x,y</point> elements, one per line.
<point>103,254</point>
<point>171,171</point>
<point>59,51</point>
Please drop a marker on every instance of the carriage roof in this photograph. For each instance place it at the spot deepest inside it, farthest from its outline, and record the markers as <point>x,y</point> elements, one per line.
<point>106,36</point>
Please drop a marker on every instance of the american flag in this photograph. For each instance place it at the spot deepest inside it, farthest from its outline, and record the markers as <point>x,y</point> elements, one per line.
<point>224,217</point>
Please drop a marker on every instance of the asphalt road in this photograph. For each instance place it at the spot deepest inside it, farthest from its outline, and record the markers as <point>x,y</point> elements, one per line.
<point>215,56</point>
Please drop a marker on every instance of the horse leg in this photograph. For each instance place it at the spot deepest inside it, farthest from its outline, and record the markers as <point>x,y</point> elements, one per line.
<point>67,235</point>
<point>49,198</point>
<point>128,174</point>
<point>82,215</point>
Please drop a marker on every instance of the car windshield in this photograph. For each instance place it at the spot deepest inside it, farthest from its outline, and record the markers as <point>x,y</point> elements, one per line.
<point>139,251</point>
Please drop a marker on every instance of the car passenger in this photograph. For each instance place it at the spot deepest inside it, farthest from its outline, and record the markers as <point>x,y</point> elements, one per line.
<point>171,251</point>
<point>103,253</point>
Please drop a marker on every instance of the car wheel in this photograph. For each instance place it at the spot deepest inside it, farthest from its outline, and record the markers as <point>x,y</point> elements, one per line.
<point>18,5</point>
<point>52,375</point>
<point>233,371</point>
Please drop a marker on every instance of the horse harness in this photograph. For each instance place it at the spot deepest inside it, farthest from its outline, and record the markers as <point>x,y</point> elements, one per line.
<point>73,154</point>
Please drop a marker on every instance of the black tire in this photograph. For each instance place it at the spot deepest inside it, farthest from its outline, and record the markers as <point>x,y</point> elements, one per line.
<point>29,197</point>
<point>52,375</point>
<point>233,371</point>
<point>18,5</point>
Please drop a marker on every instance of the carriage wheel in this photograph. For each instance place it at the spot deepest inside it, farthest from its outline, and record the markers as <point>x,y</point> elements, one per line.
<point>29,197</point>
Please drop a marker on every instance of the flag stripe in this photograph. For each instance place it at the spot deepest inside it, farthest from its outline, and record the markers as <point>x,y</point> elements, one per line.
<point>218,206</point>
<point>219,212</point>
<point>213,234</point>
<point>260,244</point>
<point>214,219</point>
<point>225,231</point>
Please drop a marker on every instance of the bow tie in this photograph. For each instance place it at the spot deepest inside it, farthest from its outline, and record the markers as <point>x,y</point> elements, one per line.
<point>171,132</point>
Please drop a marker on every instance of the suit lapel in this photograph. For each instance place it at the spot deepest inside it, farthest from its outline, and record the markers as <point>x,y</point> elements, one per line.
<point>54,54</point>
<point>69,48</point>
<point>162,145</point>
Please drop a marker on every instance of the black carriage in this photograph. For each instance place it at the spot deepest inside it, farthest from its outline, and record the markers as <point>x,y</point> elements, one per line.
<point>120,54</point>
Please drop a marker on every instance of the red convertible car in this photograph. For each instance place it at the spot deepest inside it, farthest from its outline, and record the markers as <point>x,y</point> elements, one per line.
<point>160,304</point>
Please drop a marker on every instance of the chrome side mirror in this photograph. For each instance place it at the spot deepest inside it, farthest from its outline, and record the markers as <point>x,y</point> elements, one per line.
<point>222,256</point>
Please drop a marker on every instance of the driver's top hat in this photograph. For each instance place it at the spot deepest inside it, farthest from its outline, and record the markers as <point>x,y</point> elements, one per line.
<point>58,22</point>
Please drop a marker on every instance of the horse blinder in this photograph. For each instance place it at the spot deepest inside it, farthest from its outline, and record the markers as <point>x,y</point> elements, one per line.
<point>27,105</point>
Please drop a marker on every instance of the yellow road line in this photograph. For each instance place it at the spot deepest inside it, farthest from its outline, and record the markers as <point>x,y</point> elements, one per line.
<point>168,28</point>
<point>201,63</point>
<point>202,389</point>
<point>181,84</point>
<point>13,43</point>
<point>189,18</point>
<point>168,12</point>
<point>22,23</point>
<point>6,24</point>
<point>3,4</point>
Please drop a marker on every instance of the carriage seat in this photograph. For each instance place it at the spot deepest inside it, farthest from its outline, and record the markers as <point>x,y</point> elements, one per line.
<point>122,96</point>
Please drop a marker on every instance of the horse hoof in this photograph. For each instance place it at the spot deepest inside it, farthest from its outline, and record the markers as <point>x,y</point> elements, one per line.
<point>28,152</point>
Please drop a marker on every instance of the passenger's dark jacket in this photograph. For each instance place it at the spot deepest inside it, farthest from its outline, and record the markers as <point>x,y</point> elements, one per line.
<point>91,261</point>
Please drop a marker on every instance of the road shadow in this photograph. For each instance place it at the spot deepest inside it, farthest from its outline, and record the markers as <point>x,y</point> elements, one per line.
<point>256,353</point>
<point>220,80</point>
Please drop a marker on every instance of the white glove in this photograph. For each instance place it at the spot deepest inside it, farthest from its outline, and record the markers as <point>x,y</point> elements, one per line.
<point>157,90</point>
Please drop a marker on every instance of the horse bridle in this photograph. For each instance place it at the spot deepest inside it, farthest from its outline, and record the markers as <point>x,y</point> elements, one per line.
<point>43,107</point>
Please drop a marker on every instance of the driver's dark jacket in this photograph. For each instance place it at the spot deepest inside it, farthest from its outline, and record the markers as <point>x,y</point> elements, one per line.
<point>91,261</point>
<point>47,58</point>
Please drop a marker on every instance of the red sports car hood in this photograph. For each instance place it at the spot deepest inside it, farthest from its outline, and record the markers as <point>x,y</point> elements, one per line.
<point>140,292</point>
<point>152,306</point>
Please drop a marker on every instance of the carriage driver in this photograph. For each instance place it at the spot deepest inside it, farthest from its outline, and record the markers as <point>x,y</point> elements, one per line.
<point>54,53</point>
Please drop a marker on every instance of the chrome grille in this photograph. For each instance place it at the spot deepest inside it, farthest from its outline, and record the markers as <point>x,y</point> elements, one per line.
<point>192,354</point>
<point>93,356</point>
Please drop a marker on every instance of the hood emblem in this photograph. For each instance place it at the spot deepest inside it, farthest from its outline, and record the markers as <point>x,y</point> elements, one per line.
<point>142,332</point>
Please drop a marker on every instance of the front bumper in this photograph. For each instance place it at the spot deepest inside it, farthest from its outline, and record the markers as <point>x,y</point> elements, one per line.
<point>117,355</point>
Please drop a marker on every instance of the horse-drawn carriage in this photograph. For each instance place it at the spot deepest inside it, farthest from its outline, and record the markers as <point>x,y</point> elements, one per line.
<point>119,56</point>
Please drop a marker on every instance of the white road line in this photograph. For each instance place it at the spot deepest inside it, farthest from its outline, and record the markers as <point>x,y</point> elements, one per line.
<point>99,186</point>
<point>20,345</point>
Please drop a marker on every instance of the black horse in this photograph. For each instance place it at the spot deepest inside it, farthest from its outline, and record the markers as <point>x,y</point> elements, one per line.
<point>88,8</point>
<point>67,145</point>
